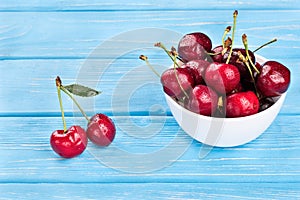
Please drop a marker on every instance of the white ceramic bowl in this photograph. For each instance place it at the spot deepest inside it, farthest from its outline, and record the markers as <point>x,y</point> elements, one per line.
<point>225,132</point>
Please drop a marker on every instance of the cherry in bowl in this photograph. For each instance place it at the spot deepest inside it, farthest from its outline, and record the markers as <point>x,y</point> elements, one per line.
<point>226,132</point>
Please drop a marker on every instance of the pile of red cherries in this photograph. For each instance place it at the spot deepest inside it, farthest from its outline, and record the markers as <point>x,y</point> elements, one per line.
<point>222,81</point>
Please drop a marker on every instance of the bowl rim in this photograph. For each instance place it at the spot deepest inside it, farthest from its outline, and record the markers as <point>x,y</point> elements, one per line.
<point>260,59</point>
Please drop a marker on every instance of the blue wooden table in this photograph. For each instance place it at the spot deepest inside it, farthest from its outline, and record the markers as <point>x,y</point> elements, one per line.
<point>97,43</point>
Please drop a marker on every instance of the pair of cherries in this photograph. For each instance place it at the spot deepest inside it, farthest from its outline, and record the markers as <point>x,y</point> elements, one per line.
<point>71,142</point>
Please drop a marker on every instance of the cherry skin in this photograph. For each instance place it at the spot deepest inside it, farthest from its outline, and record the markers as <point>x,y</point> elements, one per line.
<point>223,78</point>
<point>238,88</point>
<point>242,104</point>
<point>218,57</point>
<point>236,61</point>
<point>101,130</point>
<point>274,79</point>
<point>198,68</point>
<point>70,143</point>
<point>265,103</point>
<point>171,84</point>
<point>194,46</point>
<point>203,100</point>
<point>258,67</point>
<point>247,82</point>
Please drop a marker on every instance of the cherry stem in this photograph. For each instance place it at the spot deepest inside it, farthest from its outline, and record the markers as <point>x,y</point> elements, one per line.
<point>214,54</point>
<point>252,77</point>
<point>220,102</point>
<point>74,100</point>
<point>227,43</point>
<point>235,13</point>
<point>227,30</point>
<point>145,58</point>
<point>173,55</point>
<point>159,44</point>
<point>177,78</point>
<point>241,57</point>
<point>58,86</point>
<point>245,42</point>
<point>270,42</point>
<point>180,59</point>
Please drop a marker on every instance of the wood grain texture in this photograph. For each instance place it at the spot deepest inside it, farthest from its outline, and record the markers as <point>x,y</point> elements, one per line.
<point>26,156</point>
<point>58,35</point>
<point>174,191</point>
<point>41,41</point>
<point>96,5</point>
<point>151,157</point>
<point>128,86</point>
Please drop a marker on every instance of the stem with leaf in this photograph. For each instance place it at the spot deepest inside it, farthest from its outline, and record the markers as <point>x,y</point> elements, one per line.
<point>76,103</point>
<point>75,89</point>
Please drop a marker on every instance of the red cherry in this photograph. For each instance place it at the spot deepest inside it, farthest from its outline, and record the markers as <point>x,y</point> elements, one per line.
<point>239,88</point>
<point>266,103</point>
<point>241,104</point>
<point>218,57</point>
<point>171,84</point>
<point>247,82</point>
<point>274,79</point>
<point>258,66</point>
<point>70,143</point>
<point>222,77</point>
<point>194,46</point>
<point>198,68</point>
<point>203,100</point>
<point>101,130</point>
<point>235,60</point>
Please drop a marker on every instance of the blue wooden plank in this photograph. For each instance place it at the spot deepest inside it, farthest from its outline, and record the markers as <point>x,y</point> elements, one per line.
<point>26,156</point>
<point>34,84</point>
<point>92,5</point>
<point>151,158</point>
<point>55,35</point>
<point>151,191</point>
<point>128,86</point>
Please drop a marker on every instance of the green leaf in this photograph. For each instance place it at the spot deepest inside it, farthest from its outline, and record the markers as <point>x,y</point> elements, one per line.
<point>81,90</point>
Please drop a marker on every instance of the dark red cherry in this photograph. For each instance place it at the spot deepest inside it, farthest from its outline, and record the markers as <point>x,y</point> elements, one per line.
<point>194,46</point>
<point>274,79</point>
<point>198,68</point>
<point>218,57</point>
<point>70,143</point>
<point>248,85</point>
<point>236,61</point>
<point>258,66</point>
<point>241,104</point>
<point>238,88</point>
<point>265,103</point>
<point>101,130</point>
<point>203,100</point>
<point>222,77</point>
<point>174,87</point>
